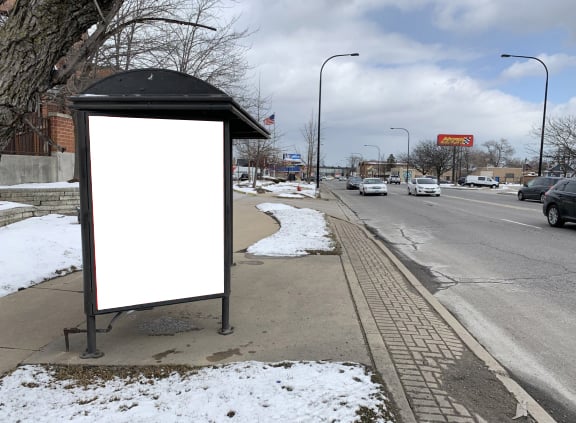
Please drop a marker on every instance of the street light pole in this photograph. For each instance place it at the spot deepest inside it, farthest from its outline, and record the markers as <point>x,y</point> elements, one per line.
<point>319,108</point>
<point>545,101</point>
<point>372,145</point>
<point>408,155</point>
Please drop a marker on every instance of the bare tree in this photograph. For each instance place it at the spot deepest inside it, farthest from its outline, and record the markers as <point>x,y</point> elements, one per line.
<point>258,152</point>
<point>215,57</point>
<point>354,163</point>
<point>309,132</point>
<point>129,39</point>
<point>499,153</point>
<point>560,140</point>
<point>171,34</point>
<point>428,157</point>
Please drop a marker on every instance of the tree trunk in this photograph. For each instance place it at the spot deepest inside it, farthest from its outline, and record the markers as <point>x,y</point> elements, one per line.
<point>34,37</point>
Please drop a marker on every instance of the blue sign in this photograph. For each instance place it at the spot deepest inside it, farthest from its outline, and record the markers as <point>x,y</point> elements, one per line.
<point>288,169</point>
<point>292,157</point>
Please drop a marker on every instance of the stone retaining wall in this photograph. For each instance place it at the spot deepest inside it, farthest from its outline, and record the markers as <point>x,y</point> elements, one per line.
<point>38,202</point>
<point>15,215</point>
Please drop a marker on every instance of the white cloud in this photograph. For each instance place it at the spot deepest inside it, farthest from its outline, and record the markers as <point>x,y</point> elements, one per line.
<point>516,15</point>
<point>465,15</point>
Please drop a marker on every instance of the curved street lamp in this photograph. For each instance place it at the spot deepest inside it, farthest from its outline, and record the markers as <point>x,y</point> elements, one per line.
<point>408,156</point>
<point>319,107</point>
<point>372,145</point>
<point>545,100</point>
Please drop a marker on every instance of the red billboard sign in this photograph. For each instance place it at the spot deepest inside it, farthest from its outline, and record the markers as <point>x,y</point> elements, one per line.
<point>455,140</point>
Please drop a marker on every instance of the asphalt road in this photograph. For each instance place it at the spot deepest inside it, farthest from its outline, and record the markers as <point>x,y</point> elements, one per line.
<point>498,266</point>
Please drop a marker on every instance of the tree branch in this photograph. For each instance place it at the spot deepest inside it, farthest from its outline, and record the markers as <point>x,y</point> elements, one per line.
<point>167,20</point>
<point>87,48</point>
<point>100,11</point>
<point>93,42</point>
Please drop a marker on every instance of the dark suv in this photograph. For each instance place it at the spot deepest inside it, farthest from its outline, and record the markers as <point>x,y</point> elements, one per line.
<point>353,182</point>
<point>535,188</point>
<point>560,203</point>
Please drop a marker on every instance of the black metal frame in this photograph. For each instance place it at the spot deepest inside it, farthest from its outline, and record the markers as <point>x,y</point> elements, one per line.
<point>130,95</point>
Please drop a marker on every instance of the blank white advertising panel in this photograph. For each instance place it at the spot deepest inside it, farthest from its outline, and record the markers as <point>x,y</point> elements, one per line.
<point>158,209</point>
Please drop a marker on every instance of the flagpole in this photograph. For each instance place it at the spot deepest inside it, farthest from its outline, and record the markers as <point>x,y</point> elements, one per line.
<point>274,145</point>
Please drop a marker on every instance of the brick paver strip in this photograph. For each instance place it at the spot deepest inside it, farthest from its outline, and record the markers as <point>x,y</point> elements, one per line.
<point>420,343</point>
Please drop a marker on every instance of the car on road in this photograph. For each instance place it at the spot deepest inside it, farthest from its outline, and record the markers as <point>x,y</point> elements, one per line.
<point>353,182</point>
<point>537,187</point>
<point>394,179</point>
<point>481,181</point>
<point>424,186</point>
<point>372,186</point>
<point>560,203</point>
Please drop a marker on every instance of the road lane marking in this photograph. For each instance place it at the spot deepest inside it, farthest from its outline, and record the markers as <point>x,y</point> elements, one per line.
<point>520,223</point>
<point>500,205</point>
<point>491,203</point>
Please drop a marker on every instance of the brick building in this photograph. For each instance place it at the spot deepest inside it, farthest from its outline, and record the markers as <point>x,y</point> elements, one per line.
<point>42,153</point>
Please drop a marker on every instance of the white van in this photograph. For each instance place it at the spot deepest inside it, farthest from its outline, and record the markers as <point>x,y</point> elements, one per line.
<point>481,181</point>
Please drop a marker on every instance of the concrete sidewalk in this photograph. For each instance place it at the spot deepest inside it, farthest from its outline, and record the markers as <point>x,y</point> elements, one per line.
<point>360,305</point>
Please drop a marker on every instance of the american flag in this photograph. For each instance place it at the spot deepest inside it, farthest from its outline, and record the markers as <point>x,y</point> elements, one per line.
<point>269,120</point>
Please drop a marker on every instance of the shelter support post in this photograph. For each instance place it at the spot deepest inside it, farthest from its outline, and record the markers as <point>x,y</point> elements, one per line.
<point>226,329</point>
<point>91,350</point>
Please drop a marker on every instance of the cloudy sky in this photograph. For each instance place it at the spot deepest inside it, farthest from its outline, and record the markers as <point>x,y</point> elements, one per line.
<point>430,66</point>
